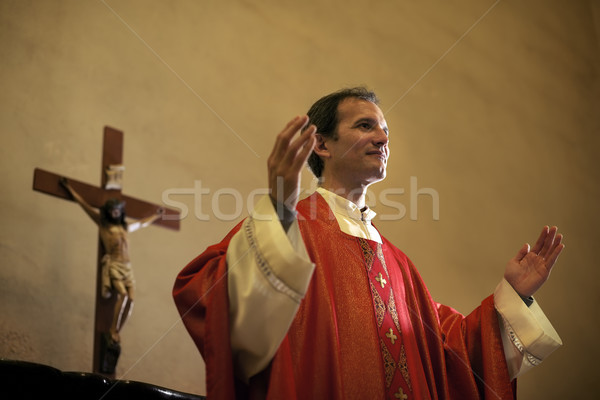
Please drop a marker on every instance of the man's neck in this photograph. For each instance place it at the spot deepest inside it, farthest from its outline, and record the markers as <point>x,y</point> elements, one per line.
<point>356,195</point>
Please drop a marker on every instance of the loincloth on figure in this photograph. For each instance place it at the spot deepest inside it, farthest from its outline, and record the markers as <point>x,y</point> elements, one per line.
<point>115,271</point>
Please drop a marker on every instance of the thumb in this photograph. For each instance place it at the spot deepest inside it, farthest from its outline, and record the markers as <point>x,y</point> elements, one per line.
<point>522,252</point>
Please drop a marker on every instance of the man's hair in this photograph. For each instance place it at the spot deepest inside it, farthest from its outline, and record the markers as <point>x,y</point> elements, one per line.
<point>324,115</point>
<point>105,216</point>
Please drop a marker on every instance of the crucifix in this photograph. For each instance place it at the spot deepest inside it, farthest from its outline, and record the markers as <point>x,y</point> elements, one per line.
<point>109,314</point>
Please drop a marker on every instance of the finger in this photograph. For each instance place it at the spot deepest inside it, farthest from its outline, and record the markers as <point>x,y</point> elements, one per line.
<point>294,169</point>
<point>283,139</point>
<point>296,155</point>
<point>299,144</point>
<point>554,256</point>
<point>522,252</point>
<point>288,154</point>
<point>540,242</point>
<point>548,243</point>
<point>280,138</point>
<point>305,151</point>
<point>557,241</point>
<point>555,245</point>
<point>292,127</point>
<point>285,165</point>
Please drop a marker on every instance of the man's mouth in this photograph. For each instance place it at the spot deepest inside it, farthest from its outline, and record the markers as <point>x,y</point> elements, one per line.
<point>378,153</point>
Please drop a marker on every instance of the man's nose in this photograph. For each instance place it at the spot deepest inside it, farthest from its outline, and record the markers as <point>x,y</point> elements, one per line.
<point>381,137</point>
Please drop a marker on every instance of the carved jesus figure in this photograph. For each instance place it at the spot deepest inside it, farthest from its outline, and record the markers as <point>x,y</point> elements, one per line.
<point>117,273</point>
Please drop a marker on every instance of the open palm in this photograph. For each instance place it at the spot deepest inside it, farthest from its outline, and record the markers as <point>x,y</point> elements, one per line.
<point>530,268</point>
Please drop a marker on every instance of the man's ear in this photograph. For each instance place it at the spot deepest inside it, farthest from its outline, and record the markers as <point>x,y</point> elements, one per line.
<point>321,146</point>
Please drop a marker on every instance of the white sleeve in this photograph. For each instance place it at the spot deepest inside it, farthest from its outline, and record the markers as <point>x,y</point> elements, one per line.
<point>528,336</point>
<point>268,275</point>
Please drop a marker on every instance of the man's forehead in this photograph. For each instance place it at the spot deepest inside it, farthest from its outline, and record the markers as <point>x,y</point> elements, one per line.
<point>353,109</point>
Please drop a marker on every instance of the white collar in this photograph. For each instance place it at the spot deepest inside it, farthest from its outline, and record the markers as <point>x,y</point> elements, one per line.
<point>341,205</point>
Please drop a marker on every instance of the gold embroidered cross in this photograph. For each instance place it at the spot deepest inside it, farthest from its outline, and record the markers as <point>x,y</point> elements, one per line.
<point>390,335</point>
<point>381,280</point>
<point>400,394</point>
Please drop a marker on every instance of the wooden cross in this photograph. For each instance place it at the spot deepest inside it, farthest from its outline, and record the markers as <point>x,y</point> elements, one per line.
<point>49,183</point>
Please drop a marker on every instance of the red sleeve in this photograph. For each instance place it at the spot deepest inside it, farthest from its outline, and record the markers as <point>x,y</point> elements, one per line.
<point>200,294</point>
<point>473,346</point>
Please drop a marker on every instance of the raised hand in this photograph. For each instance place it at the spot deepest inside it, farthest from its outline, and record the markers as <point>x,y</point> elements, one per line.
<point>529,269</point>
<point>287,159</point>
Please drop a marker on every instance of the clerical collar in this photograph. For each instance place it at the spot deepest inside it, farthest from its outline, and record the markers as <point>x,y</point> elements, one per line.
<point>339,204</point>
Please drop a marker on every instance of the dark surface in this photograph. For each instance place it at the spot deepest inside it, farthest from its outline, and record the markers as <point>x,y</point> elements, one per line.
<point>27,380</point>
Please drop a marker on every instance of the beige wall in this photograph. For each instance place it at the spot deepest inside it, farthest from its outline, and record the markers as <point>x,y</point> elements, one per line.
<point>494,105</point>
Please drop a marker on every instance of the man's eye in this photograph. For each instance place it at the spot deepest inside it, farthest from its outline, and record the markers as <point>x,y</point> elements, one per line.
<point>365,125</point>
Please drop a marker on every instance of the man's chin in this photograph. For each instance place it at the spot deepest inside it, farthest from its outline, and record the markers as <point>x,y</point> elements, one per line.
<point>378,177</point>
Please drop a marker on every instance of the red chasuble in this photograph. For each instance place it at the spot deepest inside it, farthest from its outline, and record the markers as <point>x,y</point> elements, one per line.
<point>366,329</point>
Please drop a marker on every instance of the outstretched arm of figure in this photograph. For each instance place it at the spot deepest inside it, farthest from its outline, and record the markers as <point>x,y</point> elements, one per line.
<point>89,210</point>
<point>144,222</point>
<point>530,268</point>
<point>286,161</point>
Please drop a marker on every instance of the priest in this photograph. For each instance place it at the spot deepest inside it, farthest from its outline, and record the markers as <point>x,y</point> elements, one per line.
<point>307,300</point>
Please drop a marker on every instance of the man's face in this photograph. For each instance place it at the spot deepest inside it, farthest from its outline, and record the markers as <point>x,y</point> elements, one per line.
<point>358,157</point>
